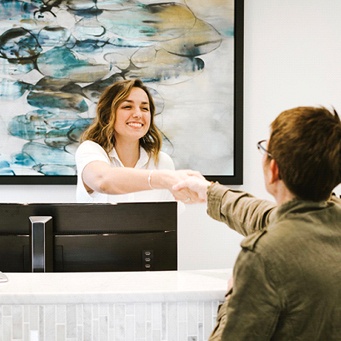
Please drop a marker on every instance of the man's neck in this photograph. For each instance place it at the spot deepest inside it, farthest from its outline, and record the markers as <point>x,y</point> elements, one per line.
<point>282,194</point>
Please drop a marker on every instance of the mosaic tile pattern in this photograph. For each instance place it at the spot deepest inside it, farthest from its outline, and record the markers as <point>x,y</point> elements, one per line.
<point>164,321</point>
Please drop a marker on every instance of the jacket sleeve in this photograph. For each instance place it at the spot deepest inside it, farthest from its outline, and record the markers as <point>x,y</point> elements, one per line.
<point>239,210</point>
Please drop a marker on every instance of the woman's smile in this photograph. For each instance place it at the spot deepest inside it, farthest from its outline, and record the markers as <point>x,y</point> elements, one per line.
<point>135,124</point>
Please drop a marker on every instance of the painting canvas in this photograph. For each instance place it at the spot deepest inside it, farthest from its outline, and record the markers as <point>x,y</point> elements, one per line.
<point>57,56</point>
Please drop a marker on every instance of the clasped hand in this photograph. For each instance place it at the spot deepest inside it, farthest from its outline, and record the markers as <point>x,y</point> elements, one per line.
<point>191,188</point>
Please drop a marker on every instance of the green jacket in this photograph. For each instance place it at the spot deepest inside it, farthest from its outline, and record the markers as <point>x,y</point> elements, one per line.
<point>287,277</point>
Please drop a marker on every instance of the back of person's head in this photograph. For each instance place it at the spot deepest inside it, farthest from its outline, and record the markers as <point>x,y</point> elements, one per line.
<point>306,144</point>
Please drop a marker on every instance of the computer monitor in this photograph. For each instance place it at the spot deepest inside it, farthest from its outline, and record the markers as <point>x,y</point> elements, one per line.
<point>92,237</point>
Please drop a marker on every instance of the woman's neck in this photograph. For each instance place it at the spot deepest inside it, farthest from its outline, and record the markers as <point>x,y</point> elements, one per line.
<point>129,153</point>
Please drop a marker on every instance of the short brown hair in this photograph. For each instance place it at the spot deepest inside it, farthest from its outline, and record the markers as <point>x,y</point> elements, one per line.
<point>101,130</point>
<point>306,144</point>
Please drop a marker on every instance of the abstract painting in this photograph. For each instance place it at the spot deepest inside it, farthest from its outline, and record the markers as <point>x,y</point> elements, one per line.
<point>57,56</point>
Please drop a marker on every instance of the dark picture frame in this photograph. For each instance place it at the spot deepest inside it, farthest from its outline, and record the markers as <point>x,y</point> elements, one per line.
<point>238,108</point>
<point>45,111</point>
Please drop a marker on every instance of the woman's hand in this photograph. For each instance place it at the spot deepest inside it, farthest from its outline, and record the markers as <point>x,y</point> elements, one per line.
<point>194,186</point>
<point>167,179</point>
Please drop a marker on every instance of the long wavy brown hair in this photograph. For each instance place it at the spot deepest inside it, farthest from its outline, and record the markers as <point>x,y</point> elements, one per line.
<point>102,129</point>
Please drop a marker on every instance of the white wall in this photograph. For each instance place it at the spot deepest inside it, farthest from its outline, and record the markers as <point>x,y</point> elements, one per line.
<point>292,57</point>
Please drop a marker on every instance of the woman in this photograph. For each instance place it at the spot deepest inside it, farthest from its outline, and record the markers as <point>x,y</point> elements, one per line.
<point>120,158</point>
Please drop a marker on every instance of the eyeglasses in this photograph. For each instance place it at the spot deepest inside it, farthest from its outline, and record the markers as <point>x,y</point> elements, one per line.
<point>261,147</point>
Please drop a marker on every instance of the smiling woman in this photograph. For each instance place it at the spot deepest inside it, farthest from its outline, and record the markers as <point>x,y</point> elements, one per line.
<point>132,123</point>
<point>120,157</point>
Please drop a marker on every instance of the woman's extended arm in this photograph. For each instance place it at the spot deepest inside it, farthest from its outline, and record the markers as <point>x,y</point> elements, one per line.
<point>100,177</point>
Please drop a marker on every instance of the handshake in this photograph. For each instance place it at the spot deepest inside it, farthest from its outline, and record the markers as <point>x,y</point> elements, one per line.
<point>188,186</point>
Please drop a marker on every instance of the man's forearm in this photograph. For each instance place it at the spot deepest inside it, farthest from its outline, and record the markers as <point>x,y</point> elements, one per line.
<point>239,210</point>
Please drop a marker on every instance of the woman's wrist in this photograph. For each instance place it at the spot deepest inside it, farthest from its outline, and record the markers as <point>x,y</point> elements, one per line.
<point>150,179</point>
<point>159,179</point>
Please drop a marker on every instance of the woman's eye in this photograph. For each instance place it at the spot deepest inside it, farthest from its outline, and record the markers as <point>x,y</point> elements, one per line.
<point>145,109</point>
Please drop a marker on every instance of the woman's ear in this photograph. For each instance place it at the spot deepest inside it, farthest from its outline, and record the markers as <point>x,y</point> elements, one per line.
<point>274,171</point>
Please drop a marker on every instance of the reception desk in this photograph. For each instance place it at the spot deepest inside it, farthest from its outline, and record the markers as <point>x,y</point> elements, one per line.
<point>141,306</point>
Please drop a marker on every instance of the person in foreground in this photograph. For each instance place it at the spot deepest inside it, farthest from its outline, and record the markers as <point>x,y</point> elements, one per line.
<point>120,158</point>
<point>287,277</point>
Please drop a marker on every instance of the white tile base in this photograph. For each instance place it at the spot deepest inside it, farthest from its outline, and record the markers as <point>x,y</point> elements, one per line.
<point>149,321</point>
<point>112,306</point>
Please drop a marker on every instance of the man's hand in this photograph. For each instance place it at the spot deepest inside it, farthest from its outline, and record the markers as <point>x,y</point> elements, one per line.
<point>185,194</point>
<point>195,187</point>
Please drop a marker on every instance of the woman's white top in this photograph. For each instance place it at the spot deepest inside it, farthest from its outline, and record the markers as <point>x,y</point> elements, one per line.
<point>89,151</point>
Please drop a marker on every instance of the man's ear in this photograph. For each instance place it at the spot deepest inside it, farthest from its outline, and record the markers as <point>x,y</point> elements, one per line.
<point>274,171</point>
